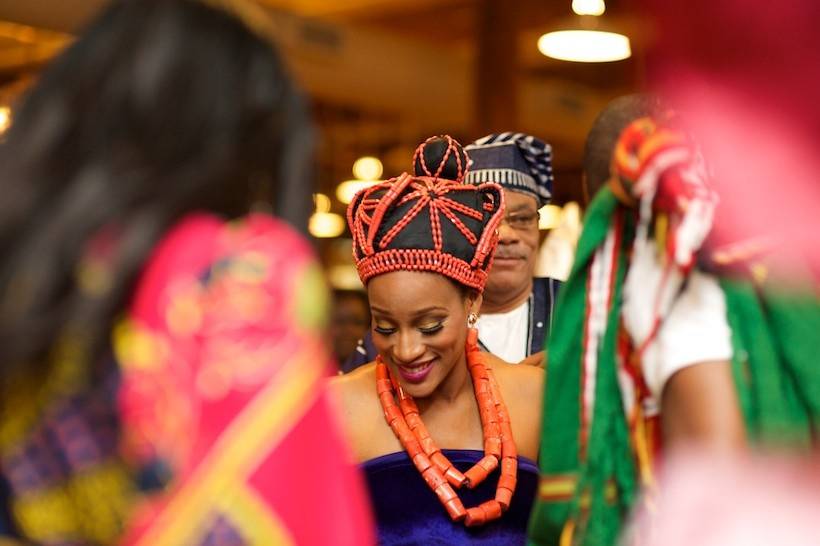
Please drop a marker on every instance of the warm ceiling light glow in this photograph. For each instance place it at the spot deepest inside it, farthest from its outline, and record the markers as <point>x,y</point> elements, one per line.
<point>326,224</point>
<point>549,216</point>
<point>586,46</point>
<point>344,277</point>
<point>588,7</point>
<point>347,189</point>
<point>322,202</point>
<point>367,168</point>
<point>5,119</point>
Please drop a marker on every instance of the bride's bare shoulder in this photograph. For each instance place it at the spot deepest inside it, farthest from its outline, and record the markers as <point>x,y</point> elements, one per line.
<point>357,403</point>
<point>355,391</point>
<point>518,378</point>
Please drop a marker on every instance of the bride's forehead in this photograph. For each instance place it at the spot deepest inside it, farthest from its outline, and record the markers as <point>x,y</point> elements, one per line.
<point>416,289</point>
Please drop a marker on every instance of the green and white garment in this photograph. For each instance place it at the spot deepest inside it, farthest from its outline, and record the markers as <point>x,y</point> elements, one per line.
<point>593,448</point>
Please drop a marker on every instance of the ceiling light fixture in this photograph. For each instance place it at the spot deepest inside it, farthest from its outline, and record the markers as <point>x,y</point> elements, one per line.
<point>367,170</point>
<point>321,202</point>
<point>347,189</point>
<point>323,223</point>
<point>587,44</point>
<point>344,277</point>
<point>589,7</point>
<point>5,119</point>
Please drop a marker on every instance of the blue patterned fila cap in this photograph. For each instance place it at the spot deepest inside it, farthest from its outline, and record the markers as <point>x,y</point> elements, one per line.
<point>517,161</point>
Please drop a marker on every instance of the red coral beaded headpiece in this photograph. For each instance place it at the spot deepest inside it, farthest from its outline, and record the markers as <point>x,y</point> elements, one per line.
<point>428,223</point>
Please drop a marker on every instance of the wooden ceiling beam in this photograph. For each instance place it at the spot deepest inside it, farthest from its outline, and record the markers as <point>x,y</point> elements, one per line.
<point>425,86</point>
<point>353,9</point>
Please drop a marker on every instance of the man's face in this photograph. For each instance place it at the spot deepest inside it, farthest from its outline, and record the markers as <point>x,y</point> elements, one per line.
<point>349,323</point>
<point>514,264</point>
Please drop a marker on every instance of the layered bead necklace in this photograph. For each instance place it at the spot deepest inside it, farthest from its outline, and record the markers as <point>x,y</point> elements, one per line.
<point>436,469</point>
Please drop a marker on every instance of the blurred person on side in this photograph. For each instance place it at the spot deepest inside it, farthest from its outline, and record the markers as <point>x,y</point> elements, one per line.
<point>516,313</point>
<point>349,322</point>
<point>666,339</point>
<point>160,348</point>
<point>753,500</point>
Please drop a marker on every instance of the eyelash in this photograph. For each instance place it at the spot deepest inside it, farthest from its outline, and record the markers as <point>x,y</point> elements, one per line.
<point>425,331</point>
<point>432,330</point>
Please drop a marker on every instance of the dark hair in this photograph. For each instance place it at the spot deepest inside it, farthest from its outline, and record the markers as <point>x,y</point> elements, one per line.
<point>160,108</point>
<point>605,132</point>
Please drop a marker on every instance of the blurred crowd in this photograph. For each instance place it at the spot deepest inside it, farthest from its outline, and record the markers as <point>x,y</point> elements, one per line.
<point>174,370</point>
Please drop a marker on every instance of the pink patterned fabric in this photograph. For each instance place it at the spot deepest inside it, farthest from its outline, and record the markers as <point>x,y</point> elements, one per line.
<point>223,365</point>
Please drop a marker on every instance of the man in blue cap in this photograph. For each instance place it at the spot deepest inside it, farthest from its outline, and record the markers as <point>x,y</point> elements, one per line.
<point>516,312</point>
<point>517,309</point>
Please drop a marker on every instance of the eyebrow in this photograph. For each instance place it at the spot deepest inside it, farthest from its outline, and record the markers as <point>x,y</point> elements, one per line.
<point>522,208</point>
<point>418,313</point>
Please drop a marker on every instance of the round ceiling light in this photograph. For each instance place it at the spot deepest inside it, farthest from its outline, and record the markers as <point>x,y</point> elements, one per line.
<point>326,225</point>
<point>589,7</point>
<point>367,168</point>
<point>347,189</point>
<point>323,223</point>
<point>321,202</point>
<point>586,46</point>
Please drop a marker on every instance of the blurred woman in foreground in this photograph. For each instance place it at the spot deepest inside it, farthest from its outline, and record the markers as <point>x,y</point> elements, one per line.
<point>125,180</point>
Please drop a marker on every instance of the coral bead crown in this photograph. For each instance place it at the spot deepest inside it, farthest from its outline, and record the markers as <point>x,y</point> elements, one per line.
<point>428,223</point>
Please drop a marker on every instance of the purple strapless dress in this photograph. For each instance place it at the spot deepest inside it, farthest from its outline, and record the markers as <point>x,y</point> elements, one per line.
<point>407,512</point>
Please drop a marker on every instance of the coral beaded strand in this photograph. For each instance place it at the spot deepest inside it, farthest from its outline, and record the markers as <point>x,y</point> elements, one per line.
<point>431,474</point>
<point>439,473</point>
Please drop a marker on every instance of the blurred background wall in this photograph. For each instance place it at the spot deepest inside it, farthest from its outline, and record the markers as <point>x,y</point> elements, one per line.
<point>383,75</point>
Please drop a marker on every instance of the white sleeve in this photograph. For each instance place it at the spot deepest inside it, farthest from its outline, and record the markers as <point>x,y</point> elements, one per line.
<point>695,330</point>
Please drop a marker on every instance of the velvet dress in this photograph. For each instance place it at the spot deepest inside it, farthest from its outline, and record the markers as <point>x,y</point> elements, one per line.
<point>408,512</point>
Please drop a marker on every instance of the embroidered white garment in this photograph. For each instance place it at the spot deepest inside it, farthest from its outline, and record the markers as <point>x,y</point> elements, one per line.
<point>505,334</point>
<point>694,330</point>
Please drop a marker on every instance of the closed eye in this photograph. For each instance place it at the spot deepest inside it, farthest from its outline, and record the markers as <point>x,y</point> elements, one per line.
<point>430,330</point>
<point>383,331</point>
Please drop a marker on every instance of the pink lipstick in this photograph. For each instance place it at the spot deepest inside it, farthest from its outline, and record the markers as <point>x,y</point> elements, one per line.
<point>416,374</point>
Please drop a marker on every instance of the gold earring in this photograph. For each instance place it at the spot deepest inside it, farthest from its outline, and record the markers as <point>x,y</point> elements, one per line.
<point>472,318</point>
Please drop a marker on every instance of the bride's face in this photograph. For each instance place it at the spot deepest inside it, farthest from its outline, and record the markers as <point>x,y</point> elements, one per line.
<point>420,326</point>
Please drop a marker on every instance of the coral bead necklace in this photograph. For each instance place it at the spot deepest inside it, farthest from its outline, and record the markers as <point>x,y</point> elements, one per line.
<point>439,473</point>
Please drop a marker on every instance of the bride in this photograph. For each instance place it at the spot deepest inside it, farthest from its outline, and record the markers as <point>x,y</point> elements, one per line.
<point>446,435</point>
